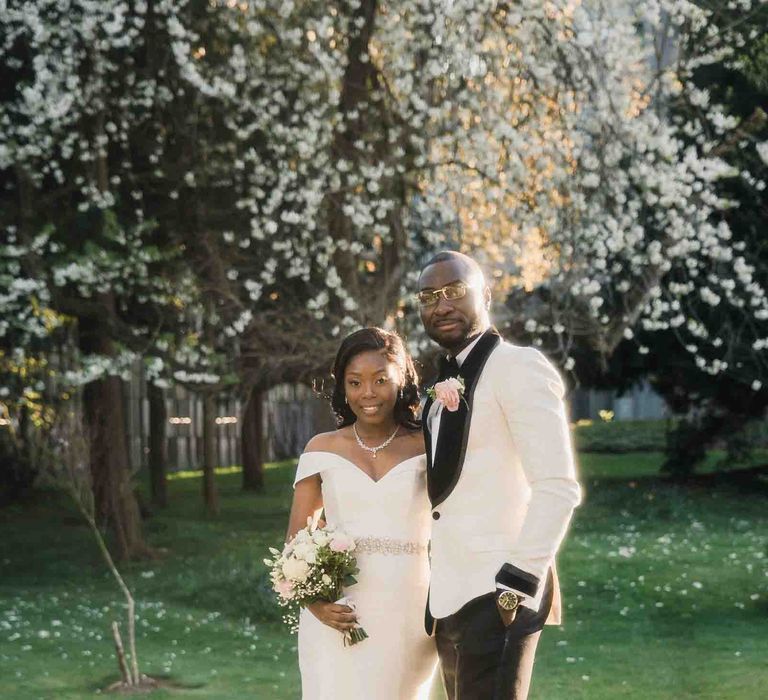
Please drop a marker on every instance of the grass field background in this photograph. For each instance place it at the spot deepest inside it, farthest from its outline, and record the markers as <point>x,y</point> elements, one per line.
<point>665,587</point>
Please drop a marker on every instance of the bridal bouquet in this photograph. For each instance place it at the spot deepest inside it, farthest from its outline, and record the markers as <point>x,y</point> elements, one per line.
<point>315,565</point>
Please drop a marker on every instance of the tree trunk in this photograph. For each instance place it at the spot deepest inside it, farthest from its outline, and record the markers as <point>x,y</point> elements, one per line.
<point>116,504</point>
<point>104,411</point>
<point>210,494</point>
<point>252,442</point>
<point>158,453</point>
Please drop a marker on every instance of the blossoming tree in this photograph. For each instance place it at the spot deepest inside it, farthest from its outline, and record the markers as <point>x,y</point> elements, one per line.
<point>541,129</point>
<point>305,156</point>
<point>89,282</point>
<point>718,405</point>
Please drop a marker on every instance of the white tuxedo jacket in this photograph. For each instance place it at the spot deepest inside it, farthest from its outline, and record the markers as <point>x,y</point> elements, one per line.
<point>502,480</point>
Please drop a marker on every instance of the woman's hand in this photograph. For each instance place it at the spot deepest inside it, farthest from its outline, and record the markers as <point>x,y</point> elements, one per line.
<point>340,617</point>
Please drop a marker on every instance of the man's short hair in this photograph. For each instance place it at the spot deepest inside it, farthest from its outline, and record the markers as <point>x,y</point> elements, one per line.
<point>452,255</point>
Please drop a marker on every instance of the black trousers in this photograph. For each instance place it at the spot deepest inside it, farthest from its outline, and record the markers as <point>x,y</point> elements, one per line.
<point>480,658</point>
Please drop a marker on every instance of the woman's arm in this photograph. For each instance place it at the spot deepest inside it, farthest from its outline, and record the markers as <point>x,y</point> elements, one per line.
<point>307,500</point>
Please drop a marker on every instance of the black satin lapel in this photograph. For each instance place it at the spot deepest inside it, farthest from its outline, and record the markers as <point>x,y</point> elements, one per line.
<point>446,461</point>
<point>451,446</point>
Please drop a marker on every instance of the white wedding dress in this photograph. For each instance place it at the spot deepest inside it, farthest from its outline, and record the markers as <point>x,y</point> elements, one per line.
<point>390,519</point>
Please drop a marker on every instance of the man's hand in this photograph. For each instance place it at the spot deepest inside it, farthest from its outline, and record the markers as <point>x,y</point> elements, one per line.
<point>507,616</point>
<point>507,603</point>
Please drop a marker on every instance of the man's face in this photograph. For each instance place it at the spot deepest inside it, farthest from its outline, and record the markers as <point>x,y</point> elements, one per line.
<point>452,323</point>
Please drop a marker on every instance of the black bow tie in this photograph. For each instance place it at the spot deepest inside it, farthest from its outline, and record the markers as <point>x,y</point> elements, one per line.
<point>448,368</point>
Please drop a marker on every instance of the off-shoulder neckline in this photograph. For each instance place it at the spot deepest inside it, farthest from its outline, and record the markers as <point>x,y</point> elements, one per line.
<point>360,469</point>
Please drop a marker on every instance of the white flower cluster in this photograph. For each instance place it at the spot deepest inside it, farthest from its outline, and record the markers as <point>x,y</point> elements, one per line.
<point>535,130</point>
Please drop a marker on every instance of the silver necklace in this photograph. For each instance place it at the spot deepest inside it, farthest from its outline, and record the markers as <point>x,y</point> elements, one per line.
<point>374,450</point>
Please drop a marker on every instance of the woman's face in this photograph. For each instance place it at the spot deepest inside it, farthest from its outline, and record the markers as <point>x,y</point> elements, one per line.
<point>372,383</point>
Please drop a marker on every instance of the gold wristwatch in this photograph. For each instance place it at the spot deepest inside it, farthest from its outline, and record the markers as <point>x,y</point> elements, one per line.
<point>508,600</point>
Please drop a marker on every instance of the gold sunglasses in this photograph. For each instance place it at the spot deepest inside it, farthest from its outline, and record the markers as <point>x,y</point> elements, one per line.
<point>451,292</point>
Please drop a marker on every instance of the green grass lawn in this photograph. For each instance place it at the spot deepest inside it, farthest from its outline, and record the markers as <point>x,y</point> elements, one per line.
<point>666,593</point>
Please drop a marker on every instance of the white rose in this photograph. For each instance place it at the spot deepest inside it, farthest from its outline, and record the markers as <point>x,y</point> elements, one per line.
<point>301,536</point>
<point>305,551</point>
<point>295,570</point>
<point>320,538</point>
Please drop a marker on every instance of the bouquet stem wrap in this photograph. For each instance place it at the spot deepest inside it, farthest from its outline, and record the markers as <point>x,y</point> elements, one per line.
<point>357,634</point>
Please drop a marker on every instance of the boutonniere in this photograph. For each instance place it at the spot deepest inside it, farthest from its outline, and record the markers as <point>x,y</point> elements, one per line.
<point>449,392</point>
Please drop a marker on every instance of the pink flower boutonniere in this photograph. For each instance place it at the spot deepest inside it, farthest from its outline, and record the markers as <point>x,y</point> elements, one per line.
<point>449,392</point>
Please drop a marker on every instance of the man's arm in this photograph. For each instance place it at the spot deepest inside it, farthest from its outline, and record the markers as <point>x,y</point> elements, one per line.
<point>531,396</point>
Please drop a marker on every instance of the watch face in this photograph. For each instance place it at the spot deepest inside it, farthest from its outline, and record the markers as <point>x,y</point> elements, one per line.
<point>508,600</point>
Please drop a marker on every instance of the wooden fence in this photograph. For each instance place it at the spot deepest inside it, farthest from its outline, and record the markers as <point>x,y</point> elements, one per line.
<point>293,413</point>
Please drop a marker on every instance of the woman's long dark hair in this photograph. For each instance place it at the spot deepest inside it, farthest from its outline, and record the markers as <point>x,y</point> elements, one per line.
<point>392,346</point>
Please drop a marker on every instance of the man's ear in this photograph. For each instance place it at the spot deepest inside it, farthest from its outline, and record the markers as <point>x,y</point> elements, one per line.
<point>487,297</point>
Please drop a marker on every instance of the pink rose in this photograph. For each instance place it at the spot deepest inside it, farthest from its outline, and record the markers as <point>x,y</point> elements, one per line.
<point>448,393</point>
<point>284,589</point>
<point>341,543</point>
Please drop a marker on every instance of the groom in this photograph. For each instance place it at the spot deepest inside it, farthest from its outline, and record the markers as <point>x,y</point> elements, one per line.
<point>502,483</point>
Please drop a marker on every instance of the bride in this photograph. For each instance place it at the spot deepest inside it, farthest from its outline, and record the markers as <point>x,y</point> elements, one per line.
<point>369,477</point>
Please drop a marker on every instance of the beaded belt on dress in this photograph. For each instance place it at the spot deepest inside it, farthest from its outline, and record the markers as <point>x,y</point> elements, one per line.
<point>387,545</point>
